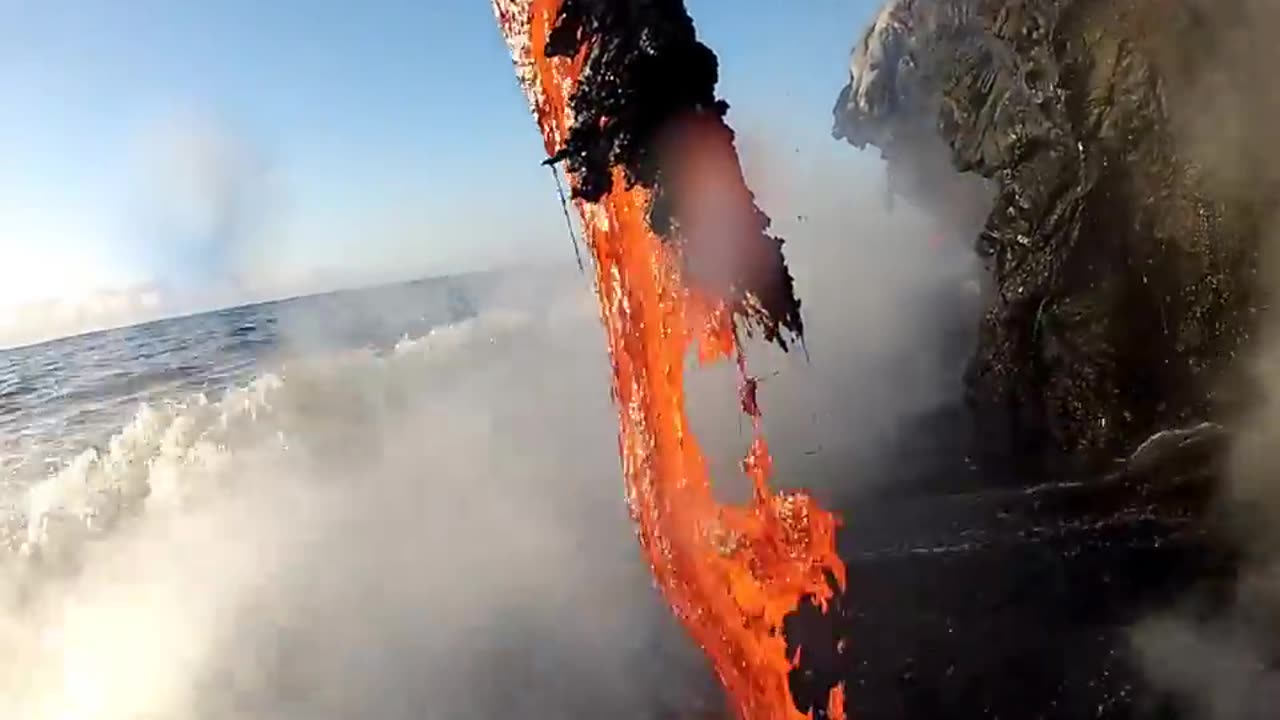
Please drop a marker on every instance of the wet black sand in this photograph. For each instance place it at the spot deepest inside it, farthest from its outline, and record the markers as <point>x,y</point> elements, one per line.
<point>1005,599</point>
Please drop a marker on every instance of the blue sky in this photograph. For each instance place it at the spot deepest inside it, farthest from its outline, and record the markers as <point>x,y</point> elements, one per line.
<point>309,143</point>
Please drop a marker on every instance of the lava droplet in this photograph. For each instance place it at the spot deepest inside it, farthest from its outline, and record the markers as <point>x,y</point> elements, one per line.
<point>730,573</point>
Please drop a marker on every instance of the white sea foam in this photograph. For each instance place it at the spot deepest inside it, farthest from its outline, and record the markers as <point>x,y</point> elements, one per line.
<point>175,449</point>
<point>437,531</point>
<point>359,535</point>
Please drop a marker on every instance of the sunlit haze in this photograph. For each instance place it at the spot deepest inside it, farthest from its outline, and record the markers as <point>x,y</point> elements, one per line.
<point>161,157</point>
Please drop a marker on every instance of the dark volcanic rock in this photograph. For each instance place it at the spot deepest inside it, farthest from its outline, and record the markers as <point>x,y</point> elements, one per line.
<point>1122,280</point>
<point>969,599</point>
<point>1010,604</point>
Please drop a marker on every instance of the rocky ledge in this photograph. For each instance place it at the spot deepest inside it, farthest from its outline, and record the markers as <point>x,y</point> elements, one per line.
<point>1123,240</point>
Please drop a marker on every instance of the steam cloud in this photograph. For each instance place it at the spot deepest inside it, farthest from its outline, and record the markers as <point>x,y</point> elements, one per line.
<point>1219,662</point>
<point>440,532</point>
<point>41,320</point>
<point>205,196</point>
<point>445,535</point>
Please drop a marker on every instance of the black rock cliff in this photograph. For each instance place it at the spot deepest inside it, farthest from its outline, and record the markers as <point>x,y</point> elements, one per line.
<point>1123,274</point>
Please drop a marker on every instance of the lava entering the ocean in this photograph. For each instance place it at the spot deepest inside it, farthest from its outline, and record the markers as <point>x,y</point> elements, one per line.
<point>624,95</point>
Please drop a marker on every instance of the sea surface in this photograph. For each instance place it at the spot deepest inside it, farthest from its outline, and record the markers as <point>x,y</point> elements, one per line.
<point>404,503</point>
<point>398,503</point>
<point>60,397</point>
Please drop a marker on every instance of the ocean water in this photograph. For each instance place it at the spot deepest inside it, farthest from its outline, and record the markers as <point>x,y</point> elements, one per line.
<point>393,503</point>
<point>403,503</point>
<point>60,396</point>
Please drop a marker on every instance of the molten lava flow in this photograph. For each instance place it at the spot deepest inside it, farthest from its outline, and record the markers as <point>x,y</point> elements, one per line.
<point>731,574</point>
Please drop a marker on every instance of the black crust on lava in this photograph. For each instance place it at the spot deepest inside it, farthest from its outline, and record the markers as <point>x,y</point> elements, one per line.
<point>645,69</point>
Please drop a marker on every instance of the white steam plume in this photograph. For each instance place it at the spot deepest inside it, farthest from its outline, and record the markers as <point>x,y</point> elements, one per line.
<point>440,532</point>
<point>1219,663</point>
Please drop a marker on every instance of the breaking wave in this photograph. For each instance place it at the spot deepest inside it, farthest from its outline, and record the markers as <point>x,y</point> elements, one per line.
<point>174,452</point>
<point>364,534</point>
<point>438,530</point>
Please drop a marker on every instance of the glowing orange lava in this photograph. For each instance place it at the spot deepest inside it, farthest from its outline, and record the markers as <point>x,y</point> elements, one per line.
<point>730,573</point>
